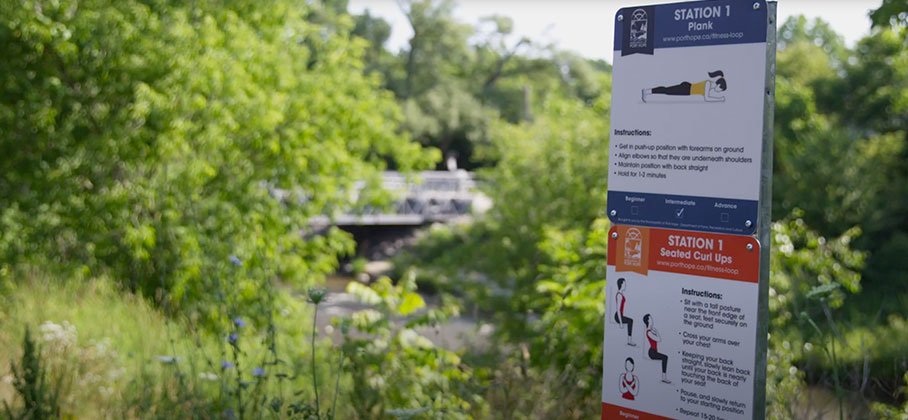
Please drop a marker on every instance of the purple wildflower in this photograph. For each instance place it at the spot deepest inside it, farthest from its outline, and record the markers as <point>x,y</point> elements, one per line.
<point>226,365</point>
<point>258,372</point>
<point>238,322</point>
<point>232,338</point>
<point>236,260</point>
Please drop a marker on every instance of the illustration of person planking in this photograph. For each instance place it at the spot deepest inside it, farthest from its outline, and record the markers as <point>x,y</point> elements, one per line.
<point>712,89</point>
<point>623,320</point>
<point>652,335</point>
<point>627,381</point>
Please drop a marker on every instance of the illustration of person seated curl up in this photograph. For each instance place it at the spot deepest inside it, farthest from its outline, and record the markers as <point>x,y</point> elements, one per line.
<point>652,335</point>
<point>623,320</point>
<point>711,90</point>
<point>627,381</point>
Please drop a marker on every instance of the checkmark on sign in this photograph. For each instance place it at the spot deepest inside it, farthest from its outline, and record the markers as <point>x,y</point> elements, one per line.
<point>680,213</point>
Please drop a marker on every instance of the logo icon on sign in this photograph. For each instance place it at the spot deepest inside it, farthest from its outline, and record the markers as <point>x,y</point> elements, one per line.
<point>633,248</point>
<point>639,25</point>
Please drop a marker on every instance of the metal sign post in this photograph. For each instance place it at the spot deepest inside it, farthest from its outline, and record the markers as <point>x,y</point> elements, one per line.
<point>764,228</point>
<point>689,198</point>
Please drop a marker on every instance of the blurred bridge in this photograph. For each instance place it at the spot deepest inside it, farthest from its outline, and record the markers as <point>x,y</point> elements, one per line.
<point>427,197</point>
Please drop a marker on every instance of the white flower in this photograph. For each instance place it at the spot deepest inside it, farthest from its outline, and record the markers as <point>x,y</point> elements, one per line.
<point>486,329</point>
<point>58,334</point>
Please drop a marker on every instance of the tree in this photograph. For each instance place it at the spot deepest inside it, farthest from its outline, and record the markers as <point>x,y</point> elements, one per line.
<point>149,141</point>
<point>454,80</point>
<point>891,13</point>
<point>376,32</point>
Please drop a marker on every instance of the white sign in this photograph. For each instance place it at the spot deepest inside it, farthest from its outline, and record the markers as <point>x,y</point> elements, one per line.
<point>687,116</point>
<point>683,333</point>
<point>680,328</point>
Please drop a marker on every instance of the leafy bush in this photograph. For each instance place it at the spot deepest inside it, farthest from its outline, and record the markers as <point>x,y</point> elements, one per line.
<point>893,413</point>
<point>40,396</point>
<point>152,140</point>
<point>395,371</point>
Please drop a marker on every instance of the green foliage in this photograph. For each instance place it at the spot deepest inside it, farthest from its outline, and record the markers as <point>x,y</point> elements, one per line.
<point>840,152</point>
<point>455,81</point>
<point>517,391</point>
<point>148,140</point>
<point>112,354</point>
<point>92,339</point>
<point>814,147</point>
<point>551,176</point>
<point>40,397</point>
<point>396,372</point>
<point>180,148</point>
<point>891,12</point>
<point>449,117</point>
<point>783,379</point>
<point>876,87</point>
<point>806,266</point>
<point>569,332</point>
<point>893,413</point>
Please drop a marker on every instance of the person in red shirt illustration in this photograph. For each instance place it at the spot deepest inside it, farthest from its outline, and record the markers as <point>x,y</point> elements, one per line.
<point>652,335</point>
<point>622,319</point>
<point>627,381</point>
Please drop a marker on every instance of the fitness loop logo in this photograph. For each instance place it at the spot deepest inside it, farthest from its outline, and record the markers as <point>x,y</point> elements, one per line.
<point>639,24</point>
<point>638,29</point>
<point>632,252</point>
<point>633,248</point>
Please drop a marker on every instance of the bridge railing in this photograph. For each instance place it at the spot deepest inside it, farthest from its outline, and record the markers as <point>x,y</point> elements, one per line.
<point>426,197</point>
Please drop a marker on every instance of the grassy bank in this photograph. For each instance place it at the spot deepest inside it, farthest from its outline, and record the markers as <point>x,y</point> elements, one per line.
<point>112,354</point>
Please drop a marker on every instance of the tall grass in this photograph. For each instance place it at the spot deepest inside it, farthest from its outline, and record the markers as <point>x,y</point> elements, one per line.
<point>117,356</point>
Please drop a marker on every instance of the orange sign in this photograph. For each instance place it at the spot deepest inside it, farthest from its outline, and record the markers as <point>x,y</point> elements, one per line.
<point>640,249</point>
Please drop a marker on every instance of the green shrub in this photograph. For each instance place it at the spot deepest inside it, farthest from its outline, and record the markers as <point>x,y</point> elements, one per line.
<point>39,395</point>
<point>395,371</point>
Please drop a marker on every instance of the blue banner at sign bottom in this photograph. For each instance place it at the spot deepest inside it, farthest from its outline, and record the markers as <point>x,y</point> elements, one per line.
<point>703,214</point>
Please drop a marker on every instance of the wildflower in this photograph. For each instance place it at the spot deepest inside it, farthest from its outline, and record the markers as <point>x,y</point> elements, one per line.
<point>236,261</point>
<point>167,360</point>
<point>232,338</point>
<point>226,365</point>
<point>317,294</point>
<point>63,334</point>
<point>208,376</point>
<point>258,372</point>
<point>238,322</point>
